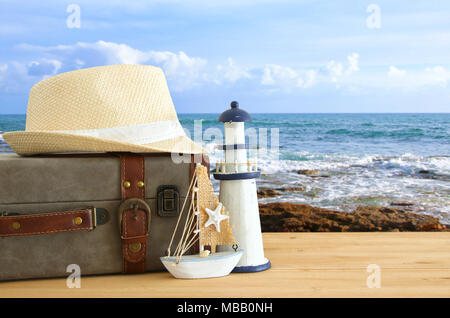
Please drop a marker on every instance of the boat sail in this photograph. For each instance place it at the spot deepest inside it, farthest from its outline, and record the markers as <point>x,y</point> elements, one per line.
<point>207,224</point>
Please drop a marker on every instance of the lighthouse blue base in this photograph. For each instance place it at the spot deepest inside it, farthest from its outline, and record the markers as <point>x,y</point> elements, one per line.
<point>252,269</point>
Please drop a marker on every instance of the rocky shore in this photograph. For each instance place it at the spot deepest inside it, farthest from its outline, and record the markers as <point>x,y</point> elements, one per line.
<point>289,217</point>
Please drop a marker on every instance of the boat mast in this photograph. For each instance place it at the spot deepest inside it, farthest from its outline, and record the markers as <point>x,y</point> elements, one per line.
<point>197,203</point>
<point>179,251</point>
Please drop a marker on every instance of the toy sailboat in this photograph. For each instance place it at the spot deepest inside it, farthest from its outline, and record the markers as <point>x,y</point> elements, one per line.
<point>206,224</point>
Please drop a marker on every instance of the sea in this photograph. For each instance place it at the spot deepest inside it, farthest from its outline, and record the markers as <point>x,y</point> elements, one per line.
<point>354,159</point>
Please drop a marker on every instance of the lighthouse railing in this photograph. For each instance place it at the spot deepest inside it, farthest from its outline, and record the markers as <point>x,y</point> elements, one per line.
<point>236,167</point>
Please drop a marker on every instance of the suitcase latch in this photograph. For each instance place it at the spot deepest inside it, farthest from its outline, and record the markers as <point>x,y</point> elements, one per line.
<point>168,200</point>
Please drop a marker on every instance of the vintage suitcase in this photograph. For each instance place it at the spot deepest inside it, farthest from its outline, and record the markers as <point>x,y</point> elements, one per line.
<point>106,213</point>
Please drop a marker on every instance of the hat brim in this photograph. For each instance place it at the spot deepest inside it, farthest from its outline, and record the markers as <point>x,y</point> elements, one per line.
<point>28,143</point>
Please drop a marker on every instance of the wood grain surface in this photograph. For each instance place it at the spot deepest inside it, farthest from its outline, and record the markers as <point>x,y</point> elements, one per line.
<point>303,265</point>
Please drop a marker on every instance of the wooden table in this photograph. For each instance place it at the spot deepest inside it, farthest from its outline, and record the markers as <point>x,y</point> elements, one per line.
<point>303,265</point>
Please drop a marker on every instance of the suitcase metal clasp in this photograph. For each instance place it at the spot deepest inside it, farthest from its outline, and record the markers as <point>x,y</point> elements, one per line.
<point>168,200</point>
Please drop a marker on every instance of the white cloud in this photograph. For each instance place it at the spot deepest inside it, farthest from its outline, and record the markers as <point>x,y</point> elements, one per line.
<point>310,78</point>
<point>44,67</point>
<point>185,72</point>
<point>232,72</point>
<point>194,4</point>
<point>90,53</point>
<point>412,80</point>
<point>395,72</point>
<point>287,78</point>
<point>338,70</point>
<point>335,70</point>
<point>278,75</point>
<point>14,77</point>
<point>438,75</point>
<point>182,71</point>
<point>3,68</point>
<point>353,61</point>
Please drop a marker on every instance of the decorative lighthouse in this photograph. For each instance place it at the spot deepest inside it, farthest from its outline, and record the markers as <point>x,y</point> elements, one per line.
<point>238,191</point>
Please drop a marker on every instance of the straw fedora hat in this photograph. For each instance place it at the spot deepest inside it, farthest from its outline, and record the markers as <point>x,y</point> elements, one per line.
<point>102,109</point>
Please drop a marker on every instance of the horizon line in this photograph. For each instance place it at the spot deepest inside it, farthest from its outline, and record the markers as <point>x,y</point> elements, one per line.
<point>288,113</point>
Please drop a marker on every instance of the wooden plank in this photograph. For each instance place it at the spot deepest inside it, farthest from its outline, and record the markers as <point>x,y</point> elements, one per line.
<point>304,265</point>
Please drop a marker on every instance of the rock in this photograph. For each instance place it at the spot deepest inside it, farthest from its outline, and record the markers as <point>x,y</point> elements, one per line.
<point>290,217</point>
<point>313,173</point>
<point>402,203</point>
<point>424,171</point>
<point>313,192</point>
<point>432,227</point>
<point>308,172</point>
<point>267,193</point>
<point>292,189</point>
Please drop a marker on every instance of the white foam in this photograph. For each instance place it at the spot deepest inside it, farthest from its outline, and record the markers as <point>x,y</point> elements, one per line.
<point>353,180</point>
<point>269,162</point>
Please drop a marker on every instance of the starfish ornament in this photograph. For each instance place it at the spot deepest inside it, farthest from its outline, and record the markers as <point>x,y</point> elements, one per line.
<point>215,217</point>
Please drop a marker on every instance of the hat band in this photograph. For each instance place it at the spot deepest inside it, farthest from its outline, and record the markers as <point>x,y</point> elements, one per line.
<point>141,134</point>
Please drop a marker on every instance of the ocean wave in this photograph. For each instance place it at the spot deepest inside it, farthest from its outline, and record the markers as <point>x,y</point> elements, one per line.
<point>259,123</point>
<point>410,133</point>
<point>271,162</point>
<point>4,147</point>
<point>344,182</point>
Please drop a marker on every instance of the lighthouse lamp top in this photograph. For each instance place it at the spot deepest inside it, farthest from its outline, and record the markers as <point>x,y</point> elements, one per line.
<point>234,114</point>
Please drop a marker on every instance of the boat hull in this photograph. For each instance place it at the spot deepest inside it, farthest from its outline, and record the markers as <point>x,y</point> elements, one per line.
<point>193,266</point>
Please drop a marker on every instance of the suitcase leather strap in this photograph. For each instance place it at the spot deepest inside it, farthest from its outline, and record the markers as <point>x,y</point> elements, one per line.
<point>134,214</point>
<point>47,223</point>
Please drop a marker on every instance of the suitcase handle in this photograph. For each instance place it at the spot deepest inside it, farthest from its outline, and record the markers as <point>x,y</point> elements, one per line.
<point>47,223</point>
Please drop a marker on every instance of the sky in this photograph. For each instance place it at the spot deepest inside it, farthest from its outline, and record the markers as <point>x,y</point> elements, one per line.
<point>272,56</point>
